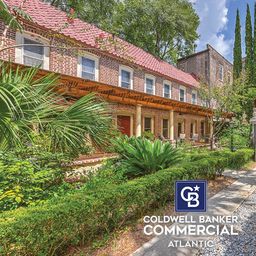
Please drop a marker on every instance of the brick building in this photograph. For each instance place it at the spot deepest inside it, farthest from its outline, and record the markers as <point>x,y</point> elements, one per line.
<point>144,92</point>
<point>209,66</point>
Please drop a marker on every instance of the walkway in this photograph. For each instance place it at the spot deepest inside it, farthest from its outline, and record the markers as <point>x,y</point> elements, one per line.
<point>235,199</point>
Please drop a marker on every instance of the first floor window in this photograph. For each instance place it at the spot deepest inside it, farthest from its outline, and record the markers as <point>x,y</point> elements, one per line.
<point>202,129</point>
<point>165,128</point>
<point>33,53</point>
<point>88,68</point>
<point>179,129</point>
<point>167,90</point>
<point>182,94</point>
<point>148,124</point>
<point>125,79</point>
<point>150,85</point>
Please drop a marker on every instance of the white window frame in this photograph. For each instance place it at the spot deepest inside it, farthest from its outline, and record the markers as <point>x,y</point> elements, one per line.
<point>154,83</point>
<point>193,92</point>
<point>221,68</point>
<point>91,57</point>
<point>19,51</point>
<point>128,69</point>
<point>170,90</point>
<point>185,93</point>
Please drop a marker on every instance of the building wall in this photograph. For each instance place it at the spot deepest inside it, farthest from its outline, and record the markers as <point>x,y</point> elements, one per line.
<point>66,62</point>
<point>206,65</point>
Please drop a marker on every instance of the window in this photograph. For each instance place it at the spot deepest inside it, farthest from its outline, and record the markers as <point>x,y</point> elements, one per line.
<point>182,94</point>
<point>125,77</point>
<point>32,53</point>
<point>150,84</point>
<point>221,72</point>
<point>88,67</point>
<point>148,124</point>
<point>202,128</point>
<point>194,97</point>
<point>179,129</point>
<point>167,90</point>
<point>165,131</point>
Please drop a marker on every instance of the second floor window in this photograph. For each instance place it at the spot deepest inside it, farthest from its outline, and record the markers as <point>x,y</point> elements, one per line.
<point>182,94</point>
<point>194,97</point>
<point>125,77</point>
<point>167,91</point>
<point>150,85</point>
<point>88,68</point>
<point>221,73</point>
<point>33,53</point>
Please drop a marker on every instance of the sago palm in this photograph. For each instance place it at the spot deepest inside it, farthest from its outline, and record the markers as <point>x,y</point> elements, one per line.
<point>140,156</point>
<point>27,102</point>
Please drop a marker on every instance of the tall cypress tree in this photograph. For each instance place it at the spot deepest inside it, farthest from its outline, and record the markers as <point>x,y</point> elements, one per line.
<point>237,67</point>
<point>249,47</point>
<point>254,47</point>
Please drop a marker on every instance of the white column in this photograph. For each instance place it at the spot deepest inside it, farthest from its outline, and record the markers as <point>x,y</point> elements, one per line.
<point>138,120</point>
<point>171,123</point>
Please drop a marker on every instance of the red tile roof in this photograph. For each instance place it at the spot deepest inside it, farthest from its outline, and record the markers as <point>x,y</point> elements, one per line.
<point>52,18</point>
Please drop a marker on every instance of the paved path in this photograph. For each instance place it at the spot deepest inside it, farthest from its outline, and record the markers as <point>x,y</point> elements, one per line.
<point>226,202</point>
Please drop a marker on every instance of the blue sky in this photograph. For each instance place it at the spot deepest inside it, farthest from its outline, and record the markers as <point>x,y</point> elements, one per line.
<point>218,23</point>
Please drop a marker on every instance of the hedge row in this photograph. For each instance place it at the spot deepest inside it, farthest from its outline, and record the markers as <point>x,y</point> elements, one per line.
<point>79,218</point>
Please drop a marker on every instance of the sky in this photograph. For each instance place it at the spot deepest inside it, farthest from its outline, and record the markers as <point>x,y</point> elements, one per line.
<point>217,25</point>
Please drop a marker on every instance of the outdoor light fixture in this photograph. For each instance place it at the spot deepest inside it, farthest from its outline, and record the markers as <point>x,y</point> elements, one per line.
<point>253,122</point>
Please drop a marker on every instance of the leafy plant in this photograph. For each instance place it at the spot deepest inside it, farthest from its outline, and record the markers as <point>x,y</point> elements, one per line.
<point>28,103</point>
<point>140,156</point>
<point>29,181</point>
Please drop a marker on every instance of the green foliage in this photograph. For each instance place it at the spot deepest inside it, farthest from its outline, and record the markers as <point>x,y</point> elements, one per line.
<point>30,179</point>
<point>140,156</point>
<point>148,135</point>
<point>248,47</point>
<point>100,207</point>
<point>27,103</point>
<point>169,27</point>
<point>240,133</point>
<point>237,67</point>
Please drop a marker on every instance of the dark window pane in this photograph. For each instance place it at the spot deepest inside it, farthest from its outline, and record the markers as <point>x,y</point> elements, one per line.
<point>32,55</point>
<point>125,79</point>
<point>147,124</point>
<point>149,86</point>
<point>182,95</point>
<point>165,128</point>
<point>88,68</point>
<point>167,91</point>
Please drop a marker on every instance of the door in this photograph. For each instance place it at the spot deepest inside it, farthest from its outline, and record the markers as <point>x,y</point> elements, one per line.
<point>124,124</point>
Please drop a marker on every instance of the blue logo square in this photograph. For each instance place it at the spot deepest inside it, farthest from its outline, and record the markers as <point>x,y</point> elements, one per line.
<point>190,196</point>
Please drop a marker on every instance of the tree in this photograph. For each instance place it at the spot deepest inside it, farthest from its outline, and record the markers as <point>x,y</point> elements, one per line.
<point>224,101</point>
<point>27,102</point>
<point>249,47</point>
<point>254,46</point>
<point>166,29</point>
<point>237,67</point>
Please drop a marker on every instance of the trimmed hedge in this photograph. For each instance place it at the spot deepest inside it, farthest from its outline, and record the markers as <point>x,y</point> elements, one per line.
<point>79,218</point>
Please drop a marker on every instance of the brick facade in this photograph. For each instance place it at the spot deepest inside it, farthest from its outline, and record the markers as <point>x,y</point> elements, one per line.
<point>66,62</point>
<point>206,66</point>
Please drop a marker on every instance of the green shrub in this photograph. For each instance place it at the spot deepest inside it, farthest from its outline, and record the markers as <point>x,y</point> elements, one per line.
<point>99,208</point>
<point>30,180</point>
<point>141,156</point>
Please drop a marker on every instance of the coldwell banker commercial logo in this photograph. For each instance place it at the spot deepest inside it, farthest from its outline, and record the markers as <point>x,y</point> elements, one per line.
<point>190,196</point>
